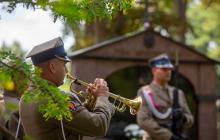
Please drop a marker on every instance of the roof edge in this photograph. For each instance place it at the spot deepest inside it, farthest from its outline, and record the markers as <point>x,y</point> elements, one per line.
<point>103,44</point>
<point>132,34</point>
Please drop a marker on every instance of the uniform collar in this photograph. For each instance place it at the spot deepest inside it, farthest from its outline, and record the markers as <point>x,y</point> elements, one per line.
<point>159,86</point>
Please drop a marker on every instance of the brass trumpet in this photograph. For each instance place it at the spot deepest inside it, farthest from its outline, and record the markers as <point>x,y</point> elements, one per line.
<point>134,104</point>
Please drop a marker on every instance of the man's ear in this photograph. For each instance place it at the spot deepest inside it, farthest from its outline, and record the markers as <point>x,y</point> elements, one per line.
<point>52,67</point>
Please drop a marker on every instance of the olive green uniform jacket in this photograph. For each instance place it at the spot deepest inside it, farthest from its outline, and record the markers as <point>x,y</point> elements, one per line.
<point>84,123</point>
<point>164,100</point>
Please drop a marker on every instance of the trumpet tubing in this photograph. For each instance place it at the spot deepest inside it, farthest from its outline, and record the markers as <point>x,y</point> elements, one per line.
<point>134,104</point>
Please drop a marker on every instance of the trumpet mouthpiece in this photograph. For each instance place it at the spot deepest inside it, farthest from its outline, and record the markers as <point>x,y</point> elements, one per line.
<point>68,76</point>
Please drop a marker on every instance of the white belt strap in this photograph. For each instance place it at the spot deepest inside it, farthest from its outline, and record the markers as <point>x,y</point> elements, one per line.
<point>18,127</point>
<point>61,123</point>
<point>152,107</point>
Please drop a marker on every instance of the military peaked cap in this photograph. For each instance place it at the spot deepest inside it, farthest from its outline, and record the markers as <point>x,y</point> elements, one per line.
<point>161,61</point>
<point>48,50</point>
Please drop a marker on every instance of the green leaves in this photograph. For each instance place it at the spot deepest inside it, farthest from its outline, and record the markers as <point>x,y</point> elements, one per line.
<point>205,32</point>
<point>75,10</point>
<point>87,10</point>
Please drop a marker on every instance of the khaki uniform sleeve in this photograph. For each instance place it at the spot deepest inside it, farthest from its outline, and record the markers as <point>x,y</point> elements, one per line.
<point>147,122</point>
<point>94,123</point>
<point>187,112</point>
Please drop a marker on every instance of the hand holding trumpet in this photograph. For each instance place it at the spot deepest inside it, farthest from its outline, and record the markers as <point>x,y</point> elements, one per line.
<point>99,88</point>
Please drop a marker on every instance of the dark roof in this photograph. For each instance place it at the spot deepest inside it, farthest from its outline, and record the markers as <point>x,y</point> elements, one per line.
<point>130,35</point>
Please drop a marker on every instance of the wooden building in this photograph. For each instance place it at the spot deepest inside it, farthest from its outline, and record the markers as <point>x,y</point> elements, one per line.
<point>123,62</point>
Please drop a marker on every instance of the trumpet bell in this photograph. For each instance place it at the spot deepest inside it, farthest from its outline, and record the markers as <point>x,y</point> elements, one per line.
<point>135,105</point>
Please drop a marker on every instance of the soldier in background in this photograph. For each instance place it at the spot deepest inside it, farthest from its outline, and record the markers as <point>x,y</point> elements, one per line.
<point>51,58</point>
<point>157,114</point>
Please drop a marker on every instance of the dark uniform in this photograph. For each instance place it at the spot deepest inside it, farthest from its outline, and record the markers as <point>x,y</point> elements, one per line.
<point>84,122</point>
<point>11,114</point>
<point>155,113</point>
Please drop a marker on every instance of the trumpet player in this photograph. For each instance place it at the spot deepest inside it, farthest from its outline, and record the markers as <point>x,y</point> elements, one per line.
<point>51,58</point>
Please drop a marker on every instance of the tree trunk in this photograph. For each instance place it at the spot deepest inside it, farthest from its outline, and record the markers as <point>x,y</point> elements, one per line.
<point>180,8</point>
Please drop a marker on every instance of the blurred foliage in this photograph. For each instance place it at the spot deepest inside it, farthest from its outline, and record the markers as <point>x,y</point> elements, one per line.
<point>14,47</point>
<point>73,10</point>
<point>205,34</point>
<point>12,66</point>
